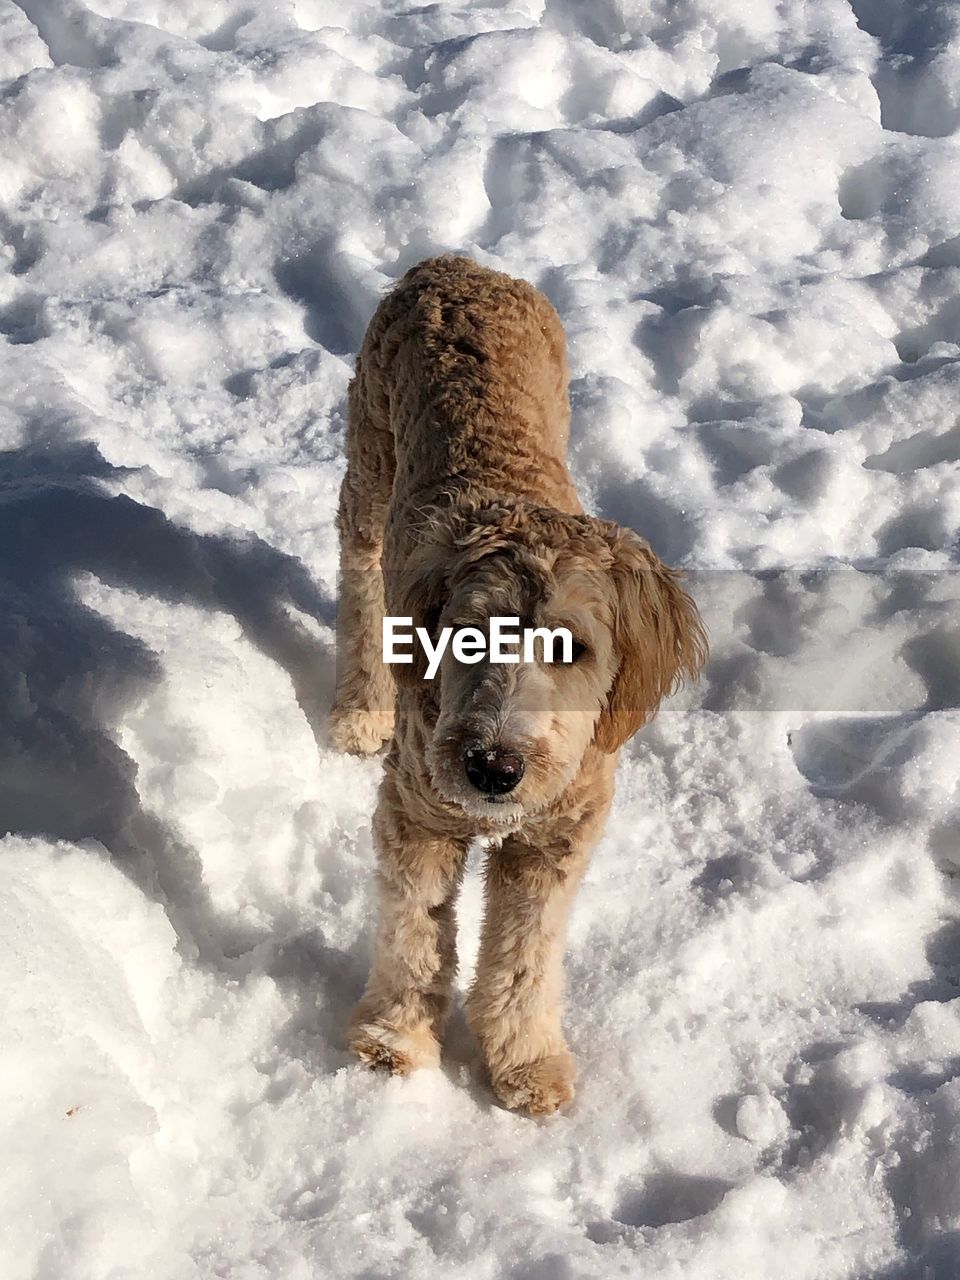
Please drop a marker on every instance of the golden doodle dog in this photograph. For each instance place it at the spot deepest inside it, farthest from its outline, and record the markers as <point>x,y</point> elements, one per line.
<point>457,507</point>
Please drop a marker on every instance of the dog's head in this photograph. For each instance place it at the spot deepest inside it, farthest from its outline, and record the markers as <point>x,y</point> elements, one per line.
<point>509,737</point>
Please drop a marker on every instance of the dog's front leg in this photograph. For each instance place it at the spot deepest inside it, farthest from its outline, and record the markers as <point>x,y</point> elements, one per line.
<point>514,1006</point>
<point>398,1023</point>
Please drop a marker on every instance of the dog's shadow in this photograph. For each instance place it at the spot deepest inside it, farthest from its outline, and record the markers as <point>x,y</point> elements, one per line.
<point>66,673</point>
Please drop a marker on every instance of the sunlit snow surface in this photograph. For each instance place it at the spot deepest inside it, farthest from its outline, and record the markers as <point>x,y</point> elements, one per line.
<point>748,216</point>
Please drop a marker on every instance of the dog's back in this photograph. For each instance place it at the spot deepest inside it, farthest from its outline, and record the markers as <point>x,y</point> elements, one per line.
<point>467,369</point>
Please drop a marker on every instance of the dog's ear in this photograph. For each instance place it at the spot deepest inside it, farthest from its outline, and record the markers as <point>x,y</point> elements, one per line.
<point>451,539</point>
<point>419,591</point>
<point>658,639</point>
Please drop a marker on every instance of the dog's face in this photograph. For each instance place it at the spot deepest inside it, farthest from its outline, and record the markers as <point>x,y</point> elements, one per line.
<point>509,738</point>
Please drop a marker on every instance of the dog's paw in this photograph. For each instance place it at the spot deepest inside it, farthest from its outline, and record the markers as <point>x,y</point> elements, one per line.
<point>385,1048</point>
<point>539,1088</point>
<point>360,733</point>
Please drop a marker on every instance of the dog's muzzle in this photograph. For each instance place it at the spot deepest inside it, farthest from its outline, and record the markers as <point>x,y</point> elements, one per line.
<point>493,770</point>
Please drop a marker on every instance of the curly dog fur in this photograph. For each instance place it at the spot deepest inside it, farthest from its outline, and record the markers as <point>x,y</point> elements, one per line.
<point>457,506</point>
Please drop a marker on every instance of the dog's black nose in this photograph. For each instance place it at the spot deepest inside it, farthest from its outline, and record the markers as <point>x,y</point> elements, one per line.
<point>493,770</point>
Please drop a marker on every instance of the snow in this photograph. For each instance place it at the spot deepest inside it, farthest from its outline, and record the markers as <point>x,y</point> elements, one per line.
<point>748,216</point>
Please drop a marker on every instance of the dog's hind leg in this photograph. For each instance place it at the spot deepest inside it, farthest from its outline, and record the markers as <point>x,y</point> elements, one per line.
<point>399,1022</point>
<point>362,717</point>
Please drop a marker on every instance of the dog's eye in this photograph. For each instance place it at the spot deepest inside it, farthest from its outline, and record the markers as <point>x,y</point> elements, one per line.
<point>577,650</point>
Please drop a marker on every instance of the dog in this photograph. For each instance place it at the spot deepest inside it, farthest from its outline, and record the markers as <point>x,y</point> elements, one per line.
<point>457,506</point>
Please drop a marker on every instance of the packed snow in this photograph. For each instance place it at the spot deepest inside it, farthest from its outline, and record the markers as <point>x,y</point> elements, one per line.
<point>748,217</point>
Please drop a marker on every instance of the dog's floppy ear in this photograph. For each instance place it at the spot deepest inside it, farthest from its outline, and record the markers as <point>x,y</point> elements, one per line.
<point>451,538</point>
<point>419,594</point>
<point>658,639</point>
<point>418,590</point>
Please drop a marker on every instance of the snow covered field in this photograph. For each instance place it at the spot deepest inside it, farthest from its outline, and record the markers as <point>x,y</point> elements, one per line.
<point>748,216</point>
